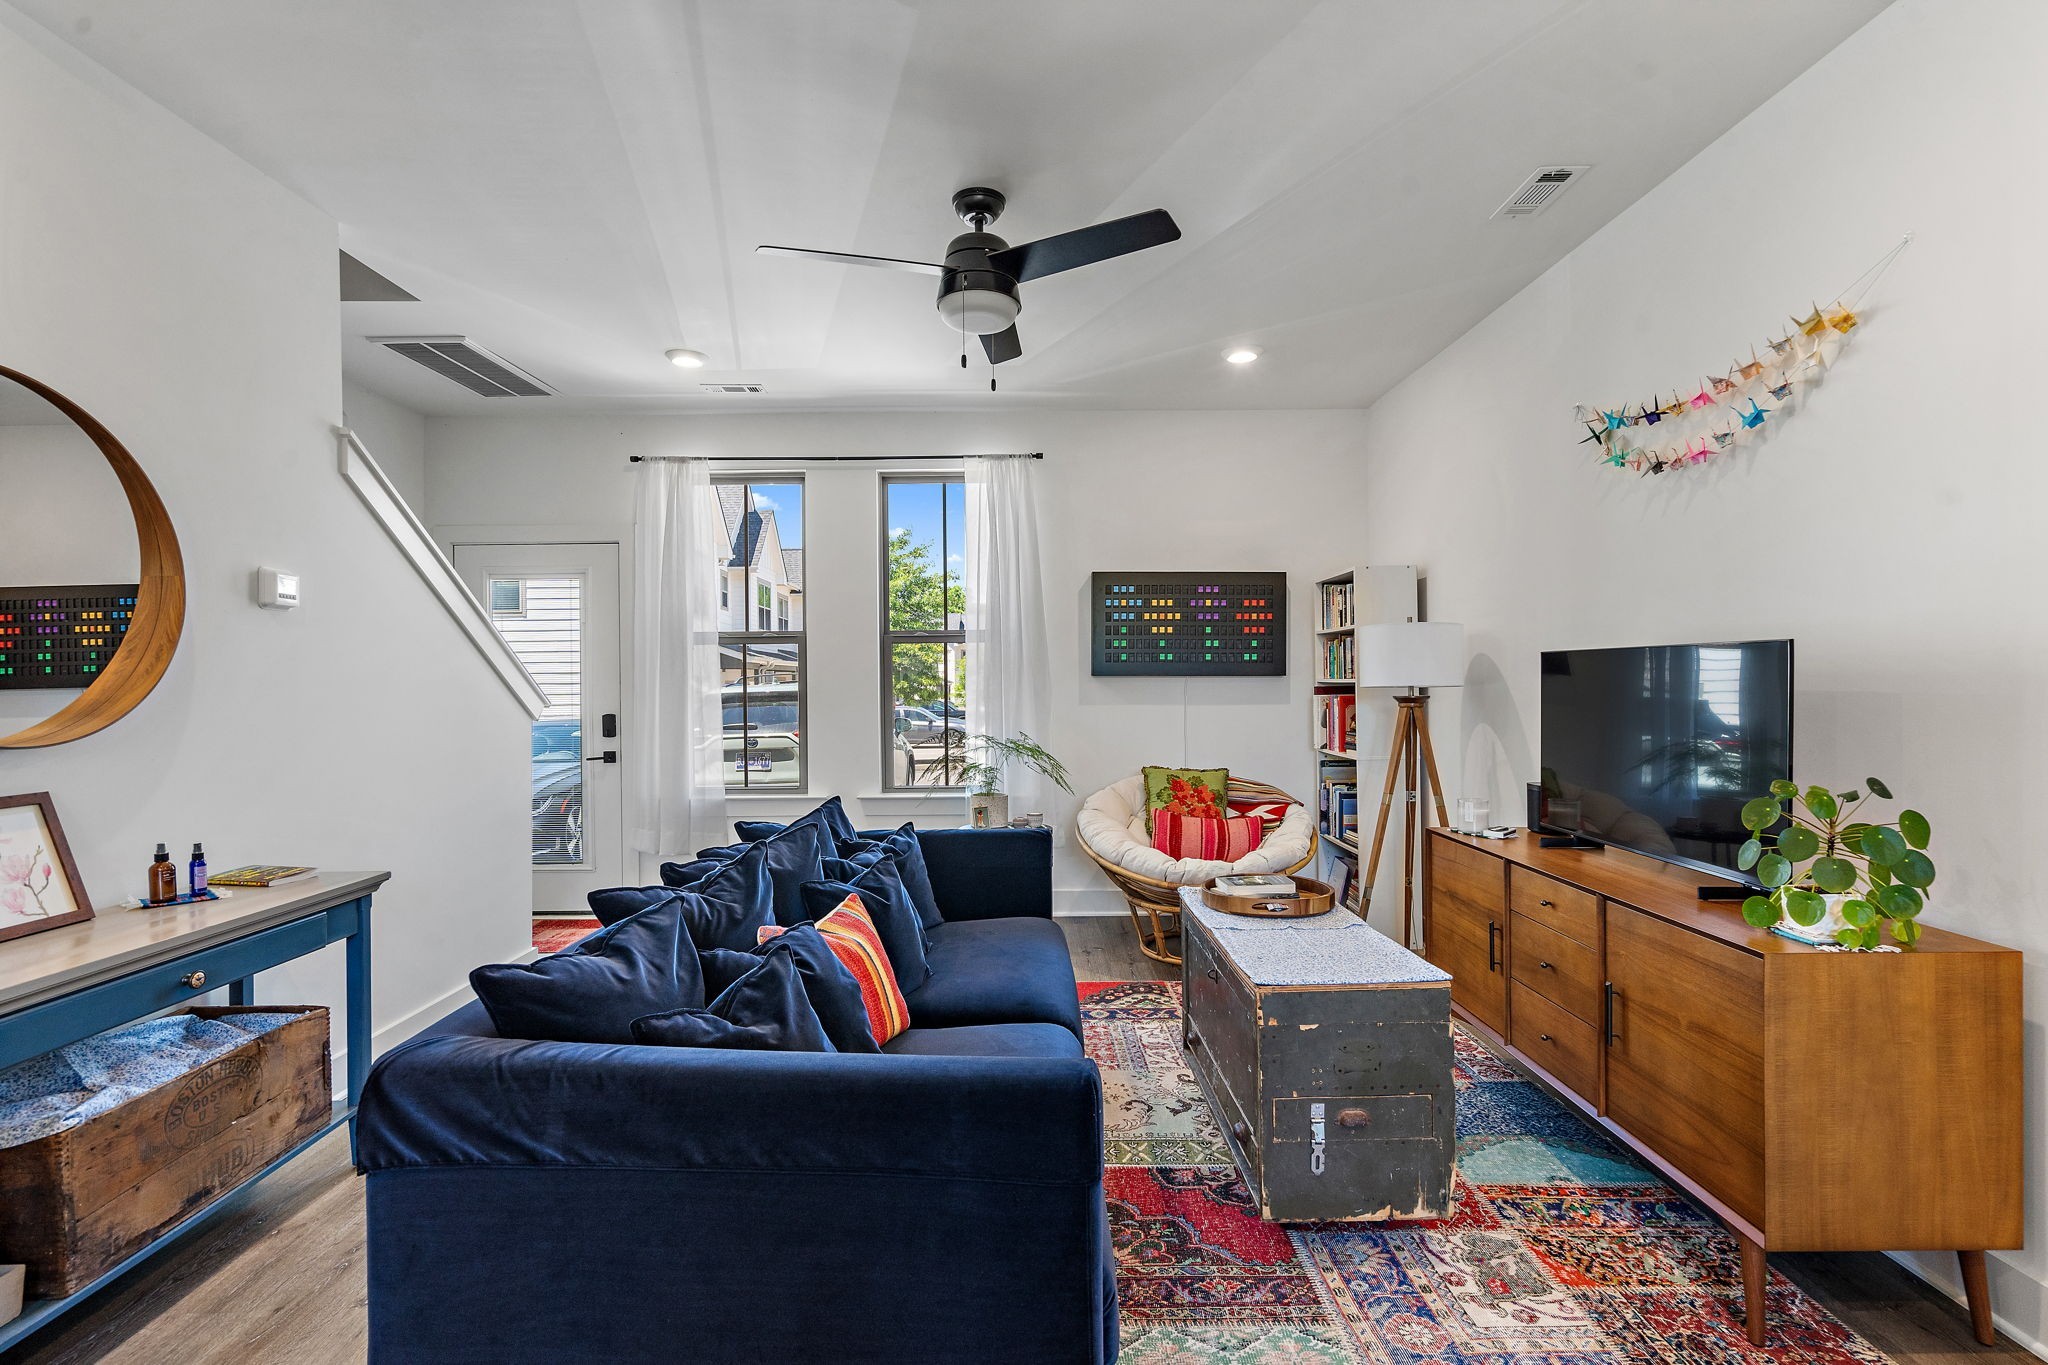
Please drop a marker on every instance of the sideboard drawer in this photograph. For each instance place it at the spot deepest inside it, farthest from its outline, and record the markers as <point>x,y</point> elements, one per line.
<point>1562,970</point>
<point>1561,1043</point>
<point>1568,910</point>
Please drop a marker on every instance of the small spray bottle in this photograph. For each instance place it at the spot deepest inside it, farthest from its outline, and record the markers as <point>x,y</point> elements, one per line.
<point>197,880</point>
<point>163,877</point>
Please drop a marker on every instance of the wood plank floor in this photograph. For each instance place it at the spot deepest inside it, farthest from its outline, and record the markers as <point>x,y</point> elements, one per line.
<point>280,1280</point>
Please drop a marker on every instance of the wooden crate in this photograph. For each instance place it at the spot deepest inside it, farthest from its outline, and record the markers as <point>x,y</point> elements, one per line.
<point>75,1204</point>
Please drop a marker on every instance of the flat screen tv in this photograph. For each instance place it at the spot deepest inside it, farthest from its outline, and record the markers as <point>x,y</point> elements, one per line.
<point>1655,749</point>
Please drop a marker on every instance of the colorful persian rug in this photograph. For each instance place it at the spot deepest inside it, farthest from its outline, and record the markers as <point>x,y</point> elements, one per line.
<point>552,933</point>
<point>1563,1250</point>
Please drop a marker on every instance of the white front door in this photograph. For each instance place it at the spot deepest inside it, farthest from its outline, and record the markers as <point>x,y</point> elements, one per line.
<point>558,607</point>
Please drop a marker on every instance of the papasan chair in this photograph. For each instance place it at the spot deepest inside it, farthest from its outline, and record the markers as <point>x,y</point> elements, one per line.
<point>1112,829</point>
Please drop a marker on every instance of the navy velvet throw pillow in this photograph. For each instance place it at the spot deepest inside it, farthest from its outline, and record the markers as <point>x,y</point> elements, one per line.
<point>592,991</point>
<point>831,989</point>
<point>831,816</point>
<point>764,1011</point>
<point>795,856</point>
<point>742,887</point>
<point>888,904</point>
<point>917,880</point>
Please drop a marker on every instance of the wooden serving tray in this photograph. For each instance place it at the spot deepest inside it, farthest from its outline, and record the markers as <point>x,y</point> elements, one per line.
<point>1310,897</point>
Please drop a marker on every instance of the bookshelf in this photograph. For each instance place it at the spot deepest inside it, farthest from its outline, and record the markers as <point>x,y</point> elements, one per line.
<point>1344,727</point>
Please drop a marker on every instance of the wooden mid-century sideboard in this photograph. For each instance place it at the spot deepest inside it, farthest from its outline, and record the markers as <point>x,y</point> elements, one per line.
<point>1815,1100</point>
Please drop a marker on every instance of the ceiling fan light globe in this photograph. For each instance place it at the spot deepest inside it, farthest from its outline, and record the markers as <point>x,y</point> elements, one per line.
<point>983,312</point>
<point>687,359</point>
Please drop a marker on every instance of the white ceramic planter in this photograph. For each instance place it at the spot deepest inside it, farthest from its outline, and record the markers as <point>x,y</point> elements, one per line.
<point>988,810</point>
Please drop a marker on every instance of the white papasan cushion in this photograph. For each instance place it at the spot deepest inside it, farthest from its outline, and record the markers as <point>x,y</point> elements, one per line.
<point>1112,822</point>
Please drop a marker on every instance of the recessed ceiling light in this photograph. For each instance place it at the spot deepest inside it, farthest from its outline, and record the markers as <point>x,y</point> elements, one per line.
<point>689,360</point>
<point>1241,355</point>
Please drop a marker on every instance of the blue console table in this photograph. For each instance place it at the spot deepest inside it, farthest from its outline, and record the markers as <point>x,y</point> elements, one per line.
<point>70,983</point>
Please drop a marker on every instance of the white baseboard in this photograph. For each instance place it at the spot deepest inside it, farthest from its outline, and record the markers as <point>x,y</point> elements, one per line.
<point>398,1030</point>
<point>2007,1285</point>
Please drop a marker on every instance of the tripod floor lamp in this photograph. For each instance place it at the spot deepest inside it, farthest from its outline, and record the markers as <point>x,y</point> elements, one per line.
<point>1410,655</point>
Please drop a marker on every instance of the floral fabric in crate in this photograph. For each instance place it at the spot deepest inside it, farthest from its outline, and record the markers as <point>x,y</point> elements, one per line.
<point>64,1088</point>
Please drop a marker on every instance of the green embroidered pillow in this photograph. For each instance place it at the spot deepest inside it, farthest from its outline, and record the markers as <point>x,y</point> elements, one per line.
<point>1202,793</point>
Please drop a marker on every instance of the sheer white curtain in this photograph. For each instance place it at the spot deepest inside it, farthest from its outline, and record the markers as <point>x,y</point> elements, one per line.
<point>676,738</point>
<point>1008,676</point>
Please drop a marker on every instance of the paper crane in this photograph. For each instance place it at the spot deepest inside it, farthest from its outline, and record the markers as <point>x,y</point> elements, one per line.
<point>1842,320</point>
<point>1813,324</point>
<point>1754,368</point>
<point>1651,414</point>
<point>1755,416</point>
<point>1704,398</point>
<point>1723,439</point>
<point>1692,456</point>
<point>1616,419</point>
<point>1596,433</point>
<point>1722,385</point>
<point>1783,345</point>
<point>1782,391</point>
<point>1674,407</point>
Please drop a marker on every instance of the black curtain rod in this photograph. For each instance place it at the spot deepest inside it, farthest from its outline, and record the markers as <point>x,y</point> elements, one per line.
<point>839,459</point>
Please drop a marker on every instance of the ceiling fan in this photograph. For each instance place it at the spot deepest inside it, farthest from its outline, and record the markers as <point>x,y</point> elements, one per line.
<point>978,283</point>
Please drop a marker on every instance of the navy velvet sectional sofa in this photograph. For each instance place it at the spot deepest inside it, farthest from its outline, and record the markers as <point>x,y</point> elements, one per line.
<point>940,1202</point>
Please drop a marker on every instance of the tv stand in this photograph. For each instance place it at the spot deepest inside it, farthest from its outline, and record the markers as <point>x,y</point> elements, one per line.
<point>1705,1044</point>
<point>1569,841</point>
<point>1725,893</point>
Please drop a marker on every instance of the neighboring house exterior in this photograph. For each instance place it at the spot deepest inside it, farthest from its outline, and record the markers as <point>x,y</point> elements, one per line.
<point>762,588</point>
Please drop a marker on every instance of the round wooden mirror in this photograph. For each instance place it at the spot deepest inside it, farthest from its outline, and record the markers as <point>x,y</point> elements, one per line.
<point>88,623</point>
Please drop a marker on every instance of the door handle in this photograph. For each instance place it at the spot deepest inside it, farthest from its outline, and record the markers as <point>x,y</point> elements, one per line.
<point>608,756</point>
<point>1612,1035</point>
<point>1492,954</point>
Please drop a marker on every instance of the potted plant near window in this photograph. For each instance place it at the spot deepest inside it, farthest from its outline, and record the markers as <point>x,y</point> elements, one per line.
<point>982,774</point>
<point>1837,877</point>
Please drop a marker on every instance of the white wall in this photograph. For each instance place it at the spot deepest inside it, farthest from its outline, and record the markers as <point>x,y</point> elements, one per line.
<point>1892,527</point>
<point>190,304</point>
<point>395,436</point>
<point>1239,490</point>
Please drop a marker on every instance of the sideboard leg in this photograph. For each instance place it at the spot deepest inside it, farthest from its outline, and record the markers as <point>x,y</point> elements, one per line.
<point>1977,1289</point>
<point>1753,1278</point>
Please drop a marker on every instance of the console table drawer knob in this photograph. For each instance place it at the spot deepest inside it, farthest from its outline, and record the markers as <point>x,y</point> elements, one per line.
<point>1213,974</point>
<point>193,979</point>
<point>1546,966</point>
<point>1544,1037</point>
<point>1548,905</point>
<point>1241,1130</point>
<point>1192,1039</point>
<point>1353,1118</point>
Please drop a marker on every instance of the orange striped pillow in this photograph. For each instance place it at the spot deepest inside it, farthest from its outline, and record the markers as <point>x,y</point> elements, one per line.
<point>851,935</point>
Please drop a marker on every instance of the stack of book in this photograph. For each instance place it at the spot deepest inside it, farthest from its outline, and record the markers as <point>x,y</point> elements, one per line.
<point>1337,723</point>
<point>1337,808</point>
<point>1336,606</point>
<point>1340,654</point>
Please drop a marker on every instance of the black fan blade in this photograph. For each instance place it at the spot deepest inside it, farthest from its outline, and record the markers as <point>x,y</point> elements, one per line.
<point>848,258</point>
<point>1086,246</point>
<point>1002,345</point>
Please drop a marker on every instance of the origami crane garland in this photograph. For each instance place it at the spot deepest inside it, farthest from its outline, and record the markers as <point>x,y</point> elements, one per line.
<point>1801,356</point>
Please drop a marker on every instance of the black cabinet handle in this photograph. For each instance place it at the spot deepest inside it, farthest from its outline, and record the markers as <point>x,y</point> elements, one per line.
<point>1547,905</point>
<point>1543,1037</point>
<point>1546,966</point>
<point>1492,953</point>
<point>1213,974</point>
<point>1612,1035</point>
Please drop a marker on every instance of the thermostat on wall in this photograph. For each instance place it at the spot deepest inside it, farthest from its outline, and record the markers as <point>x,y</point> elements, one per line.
<point>276,588</point>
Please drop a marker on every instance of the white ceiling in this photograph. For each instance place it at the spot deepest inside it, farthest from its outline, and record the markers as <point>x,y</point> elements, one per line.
<point>579,186</point>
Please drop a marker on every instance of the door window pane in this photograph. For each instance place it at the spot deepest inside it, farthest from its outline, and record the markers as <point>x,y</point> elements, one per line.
<point>545,630</point>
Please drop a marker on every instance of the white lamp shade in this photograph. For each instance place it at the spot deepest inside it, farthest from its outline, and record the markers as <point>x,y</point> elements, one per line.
<point>1411,654</point>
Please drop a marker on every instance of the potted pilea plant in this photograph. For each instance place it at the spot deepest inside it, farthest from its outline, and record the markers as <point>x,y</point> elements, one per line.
<point>982,774</point>
<point>1833,874</point>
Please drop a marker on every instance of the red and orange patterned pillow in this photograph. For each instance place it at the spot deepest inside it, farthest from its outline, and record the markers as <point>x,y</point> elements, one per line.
<point>1223,841</point>
<point>851,936</point>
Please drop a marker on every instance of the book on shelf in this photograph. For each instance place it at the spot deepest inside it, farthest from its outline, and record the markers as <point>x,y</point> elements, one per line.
<point>1337,606</point>
<point>259,875</point>
<point>1340,655</point>
<point>1342,872</point>
<point>1337,723</point>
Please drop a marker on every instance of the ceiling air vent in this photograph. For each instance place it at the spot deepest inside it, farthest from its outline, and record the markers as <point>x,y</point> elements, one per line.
<point>730,388</point>
<point>470,365</point>
<point>1539,191</point>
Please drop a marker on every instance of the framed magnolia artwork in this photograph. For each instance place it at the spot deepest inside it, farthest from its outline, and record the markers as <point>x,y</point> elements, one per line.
<point>39,885</point>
